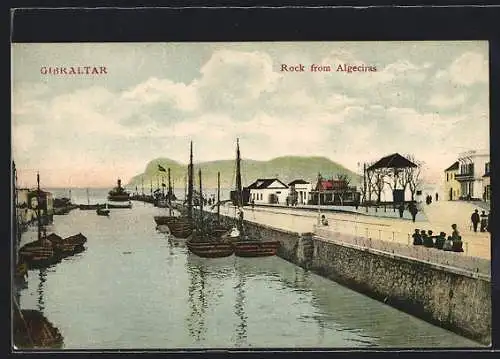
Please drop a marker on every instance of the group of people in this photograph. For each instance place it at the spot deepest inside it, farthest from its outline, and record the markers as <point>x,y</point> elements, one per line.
<point>483,220</point>
<point>428,198</point>
<point>450,243</point>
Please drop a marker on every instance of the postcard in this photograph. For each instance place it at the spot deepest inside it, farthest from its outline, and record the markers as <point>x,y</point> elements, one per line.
<point>235,195</point>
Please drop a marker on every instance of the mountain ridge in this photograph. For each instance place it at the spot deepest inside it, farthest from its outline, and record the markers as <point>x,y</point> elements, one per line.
<point>286,168</point>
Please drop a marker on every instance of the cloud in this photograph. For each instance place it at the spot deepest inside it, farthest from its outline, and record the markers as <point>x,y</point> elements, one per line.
<point>236,92</point>
<point>446,102</point>
<point>468,69</point>
<point>232,78</point>
<point>154,90</point>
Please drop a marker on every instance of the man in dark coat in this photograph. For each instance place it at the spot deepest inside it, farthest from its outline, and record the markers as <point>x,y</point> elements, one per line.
<point>413,210</point>
<point>401,209</point>
<point>475,219</point>
<point>484,221</point>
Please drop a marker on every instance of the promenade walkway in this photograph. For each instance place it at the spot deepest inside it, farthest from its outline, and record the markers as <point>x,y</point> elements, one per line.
<point>439,217</point>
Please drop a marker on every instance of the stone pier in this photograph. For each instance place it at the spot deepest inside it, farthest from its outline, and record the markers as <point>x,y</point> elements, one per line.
<point>458,299</point>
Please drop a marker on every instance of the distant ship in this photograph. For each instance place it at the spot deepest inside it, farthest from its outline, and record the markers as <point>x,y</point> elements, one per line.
<point>118,194</point>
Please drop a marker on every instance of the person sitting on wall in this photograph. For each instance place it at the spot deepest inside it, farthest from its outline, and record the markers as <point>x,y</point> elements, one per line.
<point>455,235</point>
<point>448,244</point>
<point>457,245</point>
<point>440,240</point>
<point>428,241</point>
<point>423,235</point>
<point>324,221</point>
<point>417,239</point>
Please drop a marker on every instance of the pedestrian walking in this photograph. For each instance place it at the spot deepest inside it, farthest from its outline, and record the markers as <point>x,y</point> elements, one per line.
<point>437,196</point>
<point>474,218</point>
<point>413,210</point>
<point>484,221</point>
<point>401,209</point>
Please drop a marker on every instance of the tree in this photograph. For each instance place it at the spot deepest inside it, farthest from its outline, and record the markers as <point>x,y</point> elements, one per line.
<point>369,184</point>
<point>414,176</point>
<point>344,180</point>
<point>378,182</point>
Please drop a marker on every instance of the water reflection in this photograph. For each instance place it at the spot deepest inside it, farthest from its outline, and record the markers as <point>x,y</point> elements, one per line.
<point>239,308</point>
<point>42,275</point>
<point>197,302</point>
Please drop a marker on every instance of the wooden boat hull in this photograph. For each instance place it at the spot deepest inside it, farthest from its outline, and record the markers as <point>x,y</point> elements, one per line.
<point>38,254</point>
<point>33,330</point>
<point>210,249</point>
<point>165,220</point>
<point>103,212</point>
<point>68,246</point>
<point>181,227</point>
<point>255,248</point>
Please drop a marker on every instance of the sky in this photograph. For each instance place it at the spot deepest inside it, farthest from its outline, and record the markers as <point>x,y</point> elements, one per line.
<point>428,99</point>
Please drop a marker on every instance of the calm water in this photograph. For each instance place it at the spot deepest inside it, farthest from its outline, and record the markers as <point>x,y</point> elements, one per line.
<point>136,288</point>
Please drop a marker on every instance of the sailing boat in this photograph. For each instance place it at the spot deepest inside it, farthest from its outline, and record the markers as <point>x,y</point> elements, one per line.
<point>203,244</point>
<point>179,226</point>
<point>39,253</point>
<point>243,246</point>
<point>217,229</point>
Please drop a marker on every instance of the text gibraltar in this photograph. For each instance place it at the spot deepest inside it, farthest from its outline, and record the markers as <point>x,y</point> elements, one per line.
<point>73,70</point>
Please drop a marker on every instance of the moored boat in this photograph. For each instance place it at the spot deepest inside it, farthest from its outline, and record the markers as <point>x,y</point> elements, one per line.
<point>33,330</point>
<point>119,194</point>
<point>68,246</point>
<point>210,249</point>
<point>244,246</point>
<point>204,244</point>
<point>179,226</point>
<point>38,254</point>
<point>102,211</point>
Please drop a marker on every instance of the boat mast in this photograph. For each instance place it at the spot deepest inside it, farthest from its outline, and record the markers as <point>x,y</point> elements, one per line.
<point>39,220</point>
<point>201,202</point>
<point>142,185</point>
<point>319,198</point>
<point>88,199</point>
<point>218,197</point>
<point>239,199</point>
<point>169,194</point>
<point>190,183</point>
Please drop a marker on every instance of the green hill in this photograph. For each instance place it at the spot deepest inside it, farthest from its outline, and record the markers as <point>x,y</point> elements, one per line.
<point>286,168</point>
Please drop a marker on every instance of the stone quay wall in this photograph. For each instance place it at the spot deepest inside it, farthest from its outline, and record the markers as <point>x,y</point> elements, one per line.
<point>453,298</point>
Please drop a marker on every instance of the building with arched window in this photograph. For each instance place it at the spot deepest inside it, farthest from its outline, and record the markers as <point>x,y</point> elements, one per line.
<point>451,185</point>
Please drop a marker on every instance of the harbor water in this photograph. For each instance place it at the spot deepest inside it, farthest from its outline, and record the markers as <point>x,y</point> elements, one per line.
<point>137,288</point>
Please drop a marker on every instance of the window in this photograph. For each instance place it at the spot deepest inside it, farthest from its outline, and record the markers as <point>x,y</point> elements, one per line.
<point>446,176</point>
<point>487,167</point>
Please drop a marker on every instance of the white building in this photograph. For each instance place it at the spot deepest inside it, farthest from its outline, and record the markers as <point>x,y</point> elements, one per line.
<point>301,189</point>
<point>268,191</point>
<point>472,167</point>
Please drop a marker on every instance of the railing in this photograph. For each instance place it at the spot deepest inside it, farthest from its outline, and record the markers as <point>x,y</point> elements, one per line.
<point>400,243</point>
